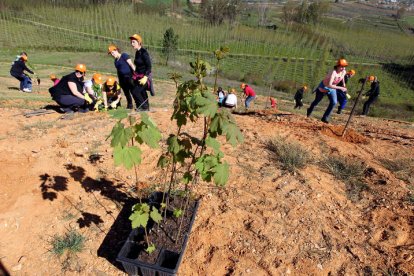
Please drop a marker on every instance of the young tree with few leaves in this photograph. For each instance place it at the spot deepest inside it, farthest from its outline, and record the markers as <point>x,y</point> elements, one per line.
<point>169,44</point>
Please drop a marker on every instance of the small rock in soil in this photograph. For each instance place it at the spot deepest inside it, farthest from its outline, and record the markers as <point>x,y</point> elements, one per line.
<point>78,152</point>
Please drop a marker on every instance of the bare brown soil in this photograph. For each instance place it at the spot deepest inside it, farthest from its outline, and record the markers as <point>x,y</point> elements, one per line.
<point>58,174</point>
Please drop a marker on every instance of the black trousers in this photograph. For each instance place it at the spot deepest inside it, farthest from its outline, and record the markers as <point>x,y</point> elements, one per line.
<point>141,96</point>
<point>367,104</point>
<point>125,81</point>
<point>299,103</point>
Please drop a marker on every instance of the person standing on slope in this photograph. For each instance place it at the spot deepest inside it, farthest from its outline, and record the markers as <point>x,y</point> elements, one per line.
<point>342,96</point>
<point>248,93</point>
<point>372,94</point>
<point>299,96</point>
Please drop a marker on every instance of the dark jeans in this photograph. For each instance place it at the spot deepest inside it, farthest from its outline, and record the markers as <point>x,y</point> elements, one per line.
<point>25,81</point>
<point>70,102</point>
<point>332,102</point>
<point>125,81</point>
<point>140,96</point>
<point>299,103</point>
<point>367,104</point>
<point>342,99</point>
<point>248,100</point>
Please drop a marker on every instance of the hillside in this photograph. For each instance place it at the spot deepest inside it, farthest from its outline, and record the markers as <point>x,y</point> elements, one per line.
<point>57,173</point>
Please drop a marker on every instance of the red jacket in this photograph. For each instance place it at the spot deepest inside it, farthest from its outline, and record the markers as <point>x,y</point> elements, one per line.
<point>248,91</point>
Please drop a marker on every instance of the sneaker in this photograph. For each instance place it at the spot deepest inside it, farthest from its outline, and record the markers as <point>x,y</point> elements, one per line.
<point>339,111</point>
<point>27,90</point>
<point>325,121</point>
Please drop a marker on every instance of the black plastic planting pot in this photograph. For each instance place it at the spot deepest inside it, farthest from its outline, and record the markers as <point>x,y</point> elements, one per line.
<point>167,261</point>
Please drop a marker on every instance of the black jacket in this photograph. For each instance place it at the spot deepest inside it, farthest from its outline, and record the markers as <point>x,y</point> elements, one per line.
<point>375,89</point>
<point>18,68</point>
<point>142,62</point>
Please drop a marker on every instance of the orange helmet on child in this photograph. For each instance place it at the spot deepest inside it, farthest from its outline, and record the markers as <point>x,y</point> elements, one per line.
<point>110,81</point>
<point>136,37</point>
<point>97,78</point>
<point>305,87</point>
<point>80,67</point>
<point>371,78</point>
<point>342,62</point>
<point>53,77</point>
<point>23,57</point>
<point>111,48</point>
<point>351,72</point>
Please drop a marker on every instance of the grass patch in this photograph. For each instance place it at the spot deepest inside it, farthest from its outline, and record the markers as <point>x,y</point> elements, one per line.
<point>72,242</point>
<point>351,172</point>
<point>402,168</point>
<point>290,155</point>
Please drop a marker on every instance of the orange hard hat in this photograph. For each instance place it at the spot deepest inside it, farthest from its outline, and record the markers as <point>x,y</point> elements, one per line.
<point>110,81</point>
<point>305,87</point>
<point>136,37</point>
<point>23,57</point>
<point>351,72</point>
<point>342,62</point>
<point>371,78</point>
<point>112,48</point>
<point>80,67</point>
<point>97,78</point>
<point>53,76</point>
<point>242,86</point>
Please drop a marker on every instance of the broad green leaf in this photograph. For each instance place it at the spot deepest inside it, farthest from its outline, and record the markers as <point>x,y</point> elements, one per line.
<point>127,156</point>
<point>120,135</point>
<point>151,248</point>
<point>177,212</point>
<point>119,113</point>
<point>187,178</point>
<point>139,219</point>
<point>233,134</point>
<point>206,105</point>
<point>148,134</point>
<point>213,143</point>
<point>221,174</point>
<point>147,120</point>
<point>173,145</point>
<point>145,208</point>
<point>155,215</point>
<point>163,161</point>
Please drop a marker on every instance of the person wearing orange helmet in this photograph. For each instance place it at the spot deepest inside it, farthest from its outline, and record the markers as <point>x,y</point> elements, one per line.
<point>341,95</point>
<point>54,79</point>
<point>248,93</point>
<point>142,75</point>
<point>372,93</point>
<point>68,93</point>
<point>124,67</point>
<point>111,92</point>
<point>18,70</point>
<point>299,96</point>
<point>328,87</point>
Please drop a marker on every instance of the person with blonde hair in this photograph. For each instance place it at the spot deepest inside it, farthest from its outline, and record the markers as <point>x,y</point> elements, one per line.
<point>231,99</point>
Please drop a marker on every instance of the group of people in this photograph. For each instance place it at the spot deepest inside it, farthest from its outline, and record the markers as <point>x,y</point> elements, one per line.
<point>334,87</point>
<point>230,100</point>
<point>73,93</point>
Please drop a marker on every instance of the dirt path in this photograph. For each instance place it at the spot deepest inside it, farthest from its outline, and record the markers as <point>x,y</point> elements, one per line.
<point>58,174</point>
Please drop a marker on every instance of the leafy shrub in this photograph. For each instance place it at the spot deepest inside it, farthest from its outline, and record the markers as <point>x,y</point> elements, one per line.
<point>254,78</point>
<point>72,242</point>
<point>285,85</point>
<point>291,155</point>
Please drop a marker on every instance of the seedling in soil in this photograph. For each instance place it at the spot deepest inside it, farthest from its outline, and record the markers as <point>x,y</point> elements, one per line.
<point>72,242</point>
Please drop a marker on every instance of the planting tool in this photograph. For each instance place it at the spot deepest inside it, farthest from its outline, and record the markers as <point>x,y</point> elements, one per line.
<point>355,104</point>
<point>38,112</point>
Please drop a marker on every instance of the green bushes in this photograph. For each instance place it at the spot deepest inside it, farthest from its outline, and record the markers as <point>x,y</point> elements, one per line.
<point>71,242</point>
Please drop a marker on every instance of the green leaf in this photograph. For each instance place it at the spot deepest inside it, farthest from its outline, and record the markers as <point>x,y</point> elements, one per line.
<point>127,156</point>
<point>187,177</point>
<point>173,145</point>
<point>163,161</point>
<point>139,219</point>
<point>205,104</point>
<point>147,120</point>
<point>120,135</point>
<point>233,134</point>
<point>151,248</point>
<point>119,113</point>
<point>148,134</point>
<point>213,143</point>
<point>177,212</point>
<point>163,205</point>
<point>155,215</point>
<point>221,174</point>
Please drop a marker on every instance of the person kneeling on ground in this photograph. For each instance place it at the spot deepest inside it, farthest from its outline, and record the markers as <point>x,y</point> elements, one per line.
<point>299,96</point>
<point>68,92</point>
<point>93,87</point>
<point>231,100</point>
<point>221,95</point>
<point>111,92</point>
<point>17,71</point>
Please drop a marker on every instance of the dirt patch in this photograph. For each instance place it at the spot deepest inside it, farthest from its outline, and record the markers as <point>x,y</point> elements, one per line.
<point>350,136</point>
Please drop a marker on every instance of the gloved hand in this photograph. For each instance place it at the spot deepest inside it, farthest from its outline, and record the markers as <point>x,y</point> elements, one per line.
<point>113,105</point>
<point>88,98</point>
<point>97,104</point>
<point>348,96</point>
<point>143,80</point>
